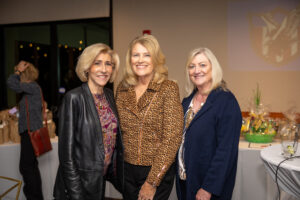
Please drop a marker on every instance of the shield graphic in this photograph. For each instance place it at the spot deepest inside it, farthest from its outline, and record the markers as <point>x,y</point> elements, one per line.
<point>274,35</point>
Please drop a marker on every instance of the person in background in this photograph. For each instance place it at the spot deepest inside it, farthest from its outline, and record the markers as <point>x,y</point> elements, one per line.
<point>89,140</point>
<point>23,82</point>
<point>151,119</point>
<point>207,157</point>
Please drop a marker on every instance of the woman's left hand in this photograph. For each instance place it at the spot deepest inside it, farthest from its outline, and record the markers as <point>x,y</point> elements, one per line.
<point>147,192</point>
<point>203,195</point>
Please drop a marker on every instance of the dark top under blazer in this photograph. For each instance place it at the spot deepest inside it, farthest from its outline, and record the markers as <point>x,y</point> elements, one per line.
<point>81,149</point>
<point>211,145</point>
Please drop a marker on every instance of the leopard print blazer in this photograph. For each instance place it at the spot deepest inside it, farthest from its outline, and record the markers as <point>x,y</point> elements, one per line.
<point>151,140</point>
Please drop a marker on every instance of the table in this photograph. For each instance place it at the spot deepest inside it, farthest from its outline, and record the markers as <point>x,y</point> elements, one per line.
<point>9,167</point>
<point>252,180</point>
<point>289,171</point>
<point>48,164</point>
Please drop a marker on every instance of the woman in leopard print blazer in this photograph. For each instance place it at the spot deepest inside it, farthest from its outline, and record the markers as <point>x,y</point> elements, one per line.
<point>151,120</point>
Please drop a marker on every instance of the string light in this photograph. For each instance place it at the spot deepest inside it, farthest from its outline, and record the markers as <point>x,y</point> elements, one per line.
<point>79,48</point>
<point>30,45</point>
<point>45,55</point>
<point>66,46</point>
<point>80,42</point>
<point>38,48</point>
<point>21,46</point>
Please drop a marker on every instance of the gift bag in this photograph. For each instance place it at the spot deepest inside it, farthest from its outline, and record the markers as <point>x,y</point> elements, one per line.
<point>14,131</point>
<point>1,133</point>
<point>5,132</point>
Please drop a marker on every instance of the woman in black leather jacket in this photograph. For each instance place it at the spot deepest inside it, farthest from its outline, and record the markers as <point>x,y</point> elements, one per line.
<point>90,143</point>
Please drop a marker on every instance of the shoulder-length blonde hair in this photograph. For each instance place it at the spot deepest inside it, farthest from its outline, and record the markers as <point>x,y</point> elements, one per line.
<point>88,56</point>
<point>217,72</point>
<point>157,56</point>
<point>31,73</point>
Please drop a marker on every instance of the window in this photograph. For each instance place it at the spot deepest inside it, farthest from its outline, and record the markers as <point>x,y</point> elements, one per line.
<point>53,48</point>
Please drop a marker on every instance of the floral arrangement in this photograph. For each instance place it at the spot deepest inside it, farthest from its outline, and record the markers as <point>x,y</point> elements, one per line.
<point>258,127</point>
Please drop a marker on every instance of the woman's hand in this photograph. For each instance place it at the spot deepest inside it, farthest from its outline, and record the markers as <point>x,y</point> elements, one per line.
<point>21,66</point>
<point>203,195</point>
<point>147,192</point>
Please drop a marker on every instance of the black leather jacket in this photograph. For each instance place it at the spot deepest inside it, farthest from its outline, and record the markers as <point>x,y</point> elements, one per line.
<point>81,150</point>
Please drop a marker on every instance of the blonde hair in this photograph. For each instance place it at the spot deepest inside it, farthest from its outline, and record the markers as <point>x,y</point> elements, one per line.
<point>217,73</point>
<point>157,56</point>
<point>88,56</point>
<point>31,73</point>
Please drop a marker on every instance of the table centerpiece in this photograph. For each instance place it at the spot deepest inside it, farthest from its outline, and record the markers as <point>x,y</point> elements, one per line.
<point>258,127</point>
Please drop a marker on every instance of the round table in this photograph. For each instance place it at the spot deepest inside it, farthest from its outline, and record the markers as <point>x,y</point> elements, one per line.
<point>288,175</point>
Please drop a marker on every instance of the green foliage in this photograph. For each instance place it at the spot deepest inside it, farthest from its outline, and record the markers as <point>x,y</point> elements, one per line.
<point>257,96</point>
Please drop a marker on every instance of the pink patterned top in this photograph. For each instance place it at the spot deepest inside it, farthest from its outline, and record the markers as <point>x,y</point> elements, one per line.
<point>108,123</point>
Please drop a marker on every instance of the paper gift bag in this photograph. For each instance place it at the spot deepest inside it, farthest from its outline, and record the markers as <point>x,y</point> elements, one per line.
<point>5,132</point>
<point>14,131</point>
<point>1,133</point>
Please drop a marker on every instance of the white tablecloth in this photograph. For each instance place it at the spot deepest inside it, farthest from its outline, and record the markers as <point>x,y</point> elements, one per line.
<point>48,164</point>
<point>289,171</point>
<point>252,181</point>
<point>9,167</point>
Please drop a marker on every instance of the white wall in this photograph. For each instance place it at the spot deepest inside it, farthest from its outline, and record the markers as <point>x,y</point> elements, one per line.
<point>181,26</point>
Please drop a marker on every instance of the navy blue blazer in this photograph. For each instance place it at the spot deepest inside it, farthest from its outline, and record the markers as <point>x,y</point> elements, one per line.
<point>211,146</point>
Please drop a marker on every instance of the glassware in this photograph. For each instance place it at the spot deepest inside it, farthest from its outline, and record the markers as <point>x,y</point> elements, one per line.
<point>289,139</point>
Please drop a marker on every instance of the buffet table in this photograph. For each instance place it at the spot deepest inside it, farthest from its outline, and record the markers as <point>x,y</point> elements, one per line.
<point>252,180</point>
<point>288,175</point>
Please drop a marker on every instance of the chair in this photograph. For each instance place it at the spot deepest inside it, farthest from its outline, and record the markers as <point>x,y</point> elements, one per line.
<point>18,184</point>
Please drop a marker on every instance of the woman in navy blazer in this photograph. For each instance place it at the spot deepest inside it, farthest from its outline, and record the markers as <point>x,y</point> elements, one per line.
<point>207,158</point>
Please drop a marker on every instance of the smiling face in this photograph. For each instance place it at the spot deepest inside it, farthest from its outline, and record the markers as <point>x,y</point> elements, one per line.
<point>141,61</point>
<point>100,72</point>
<point>200,71</point>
